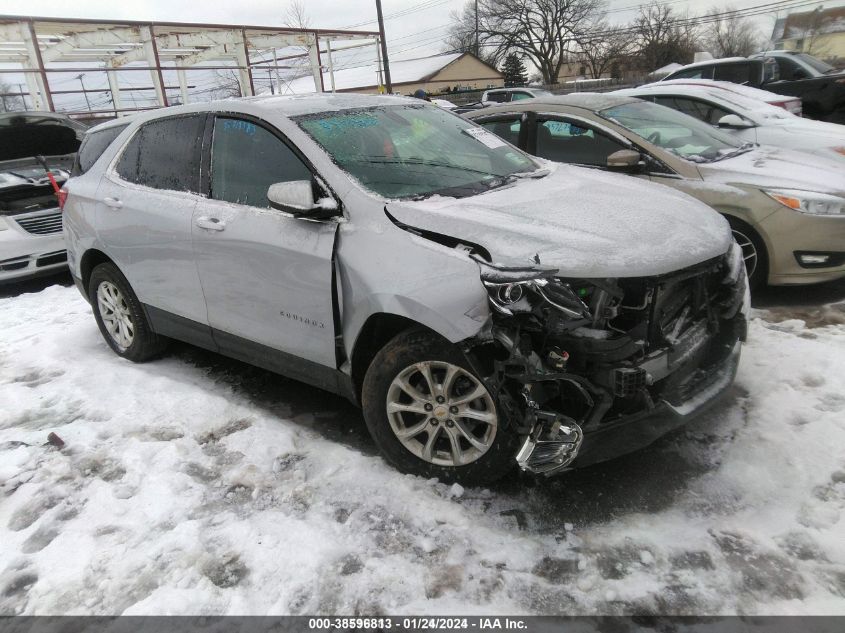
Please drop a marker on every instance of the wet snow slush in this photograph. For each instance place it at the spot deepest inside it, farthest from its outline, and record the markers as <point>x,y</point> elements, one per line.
<point>198,485</point>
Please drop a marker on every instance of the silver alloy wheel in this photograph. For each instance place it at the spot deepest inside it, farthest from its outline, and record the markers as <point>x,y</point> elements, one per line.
<point>441,413</point>
<point>114,311</point>
<point>749,251</point>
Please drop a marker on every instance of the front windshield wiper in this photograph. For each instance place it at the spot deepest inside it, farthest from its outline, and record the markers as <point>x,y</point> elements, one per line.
<point>427,163</point>
<point>742,149</point>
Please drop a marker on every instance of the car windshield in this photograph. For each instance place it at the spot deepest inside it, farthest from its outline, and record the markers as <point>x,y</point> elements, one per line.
<point>415,150</point>
<point>674,131</point>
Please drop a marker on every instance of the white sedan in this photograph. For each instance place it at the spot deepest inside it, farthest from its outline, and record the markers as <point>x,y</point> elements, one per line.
<point>747,118</point>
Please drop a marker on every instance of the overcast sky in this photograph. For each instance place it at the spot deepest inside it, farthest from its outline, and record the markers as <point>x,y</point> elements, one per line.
<point>416,34</point>
<point>414,28</point>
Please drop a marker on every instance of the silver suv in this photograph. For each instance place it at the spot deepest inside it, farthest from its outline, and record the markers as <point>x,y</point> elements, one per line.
<point>484,308</point>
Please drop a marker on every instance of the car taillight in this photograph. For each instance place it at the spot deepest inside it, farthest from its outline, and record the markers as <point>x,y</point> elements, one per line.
<point>61,194</point>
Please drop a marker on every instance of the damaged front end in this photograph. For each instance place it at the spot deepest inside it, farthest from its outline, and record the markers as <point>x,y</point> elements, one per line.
<point>588,369</point>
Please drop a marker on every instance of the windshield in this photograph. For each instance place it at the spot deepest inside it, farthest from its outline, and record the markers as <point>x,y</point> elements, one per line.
<point>814,63</point>
<point>674,131</point>
<point>415,150</point>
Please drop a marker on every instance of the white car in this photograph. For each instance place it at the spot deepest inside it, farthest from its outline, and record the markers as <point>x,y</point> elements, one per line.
<point>746,118</point>
<point>790,104</point>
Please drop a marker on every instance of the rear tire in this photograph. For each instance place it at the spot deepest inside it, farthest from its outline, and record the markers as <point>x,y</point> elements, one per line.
<point>120,316</point>
<point>420,387</point>
<point>753,252</point>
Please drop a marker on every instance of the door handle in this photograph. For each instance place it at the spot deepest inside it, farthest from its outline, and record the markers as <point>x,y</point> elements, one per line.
<point>210,224</point>
<point>113,203</point>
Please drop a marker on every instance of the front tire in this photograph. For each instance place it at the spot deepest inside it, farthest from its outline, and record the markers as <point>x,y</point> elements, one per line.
<point>754,252</point>
<point>431,415</point>
<point>121,317</point>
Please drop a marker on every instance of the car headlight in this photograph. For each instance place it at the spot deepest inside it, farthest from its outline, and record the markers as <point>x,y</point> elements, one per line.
<point>808,201</point>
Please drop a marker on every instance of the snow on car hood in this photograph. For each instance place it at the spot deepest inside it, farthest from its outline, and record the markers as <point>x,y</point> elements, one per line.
<point>780,168</point>
<point>586,222</point>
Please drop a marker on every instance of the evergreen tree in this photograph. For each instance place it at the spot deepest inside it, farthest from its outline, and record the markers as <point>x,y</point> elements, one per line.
<point>514,71</point>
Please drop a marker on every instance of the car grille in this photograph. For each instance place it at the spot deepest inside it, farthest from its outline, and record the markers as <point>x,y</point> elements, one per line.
<point>42,224</point>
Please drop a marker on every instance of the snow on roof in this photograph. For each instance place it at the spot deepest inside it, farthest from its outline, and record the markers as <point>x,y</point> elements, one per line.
<point>705,84</point>
<point>401,72</point>
<point>668,68</point>
<point>721,60</point>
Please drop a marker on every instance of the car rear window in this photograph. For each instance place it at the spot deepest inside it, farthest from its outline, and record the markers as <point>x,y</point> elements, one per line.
<point>165,154</point>
<point>93,146</point>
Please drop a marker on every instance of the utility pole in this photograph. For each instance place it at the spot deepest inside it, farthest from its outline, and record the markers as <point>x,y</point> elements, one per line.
<point>387,84</point>
<point>476,28</point>
<point>84,94</point>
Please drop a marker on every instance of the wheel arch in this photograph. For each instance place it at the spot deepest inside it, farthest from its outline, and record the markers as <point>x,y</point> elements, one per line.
<point>377,331</point>
<point>89,261</point>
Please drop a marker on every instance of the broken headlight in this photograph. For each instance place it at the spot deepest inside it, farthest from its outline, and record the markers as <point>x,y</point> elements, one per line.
<point>510,289</point>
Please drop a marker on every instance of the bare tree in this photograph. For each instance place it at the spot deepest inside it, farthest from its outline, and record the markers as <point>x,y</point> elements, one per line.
<point>663,37</point>
<point>602,48</point>
<point>10,101</point>
<point>296,15</point>
<point>544,31</point>
<point>226,84</point>
<point>731,35</point>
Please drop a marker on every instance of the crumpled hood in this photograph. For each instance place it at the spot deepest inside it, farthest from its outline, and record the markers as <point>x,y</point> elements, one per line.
<point>586,222</point>
<point>778,168</point>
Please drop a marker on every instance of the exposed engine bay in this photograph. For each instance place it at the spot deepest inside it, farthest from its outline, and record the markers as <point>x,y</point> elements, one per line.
<point>565,357</point>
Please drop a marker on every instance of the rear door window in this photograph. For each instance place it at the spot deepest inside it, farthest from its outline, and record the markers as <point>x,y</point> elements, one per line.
<point>93,146</point>
<point>165,154</point>
<point>701,110</point>
<point>497,97</point>
<point>246,159</point>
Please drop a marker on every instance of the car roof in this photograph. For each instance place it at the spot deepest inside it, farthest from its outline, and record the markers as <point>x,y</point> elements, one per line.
<point>714,87</point>
<point>721,60</point>
<point>284,105</point>
<point>593,101</point>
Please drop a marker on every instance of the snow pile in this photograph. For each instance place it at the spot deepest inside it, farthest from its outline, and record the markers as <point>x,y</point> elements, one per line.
<point>183,488</point>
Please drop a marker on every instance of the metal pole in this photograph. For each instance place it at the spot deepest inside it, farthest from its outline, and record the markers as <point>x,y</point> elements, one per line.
<point>270,77</point>
<point>387,84</point>
<point>84,94</point>
<point>276,66</point>
<point>331,64</point>
<point>476,28</point>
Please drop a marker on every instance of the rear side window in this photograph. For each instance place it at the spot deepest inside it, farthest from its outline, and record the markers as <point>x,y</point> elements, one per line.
<point>497,97</point>
<point>246,159</point>
<point>735,73</point>
<point>165,154</point>
<point>93,146</point>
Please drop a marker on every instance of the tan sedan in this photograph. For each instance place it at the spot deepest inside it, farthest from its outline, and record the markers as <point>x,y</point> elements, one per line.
<point>787,209</point>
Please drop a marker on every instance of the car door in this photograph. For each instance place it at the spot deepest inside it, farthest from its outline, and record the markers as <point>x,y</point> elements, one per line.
<point>266,275</point>
<point>568,140</point>
<point>144,211</point>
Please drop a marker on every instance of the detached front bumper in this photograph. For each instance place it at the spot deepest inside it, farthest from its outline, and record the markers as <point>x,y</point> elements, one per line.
<point>630,434</point>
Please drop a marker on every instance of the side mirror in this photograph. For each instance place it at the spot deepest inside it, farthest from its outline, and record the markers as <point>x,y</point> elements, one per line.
<point>624,160</point>
<point>734,121</point>
<point>297,198</point>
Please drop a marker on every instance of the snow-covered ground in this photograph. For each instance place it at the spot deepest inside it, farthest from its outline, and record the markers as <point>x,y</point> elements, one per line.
<point>195,484</point>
